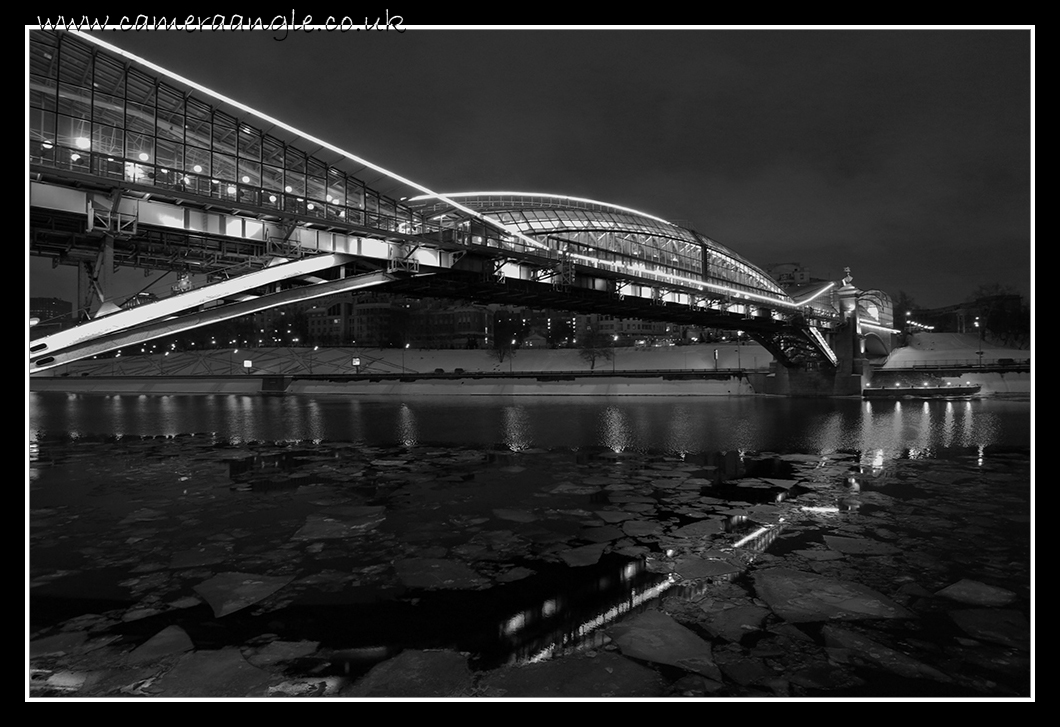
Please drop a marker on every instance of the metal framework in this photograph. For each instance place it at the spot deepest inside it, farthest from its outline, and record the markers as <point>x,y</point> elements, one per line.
<point>158,177</point>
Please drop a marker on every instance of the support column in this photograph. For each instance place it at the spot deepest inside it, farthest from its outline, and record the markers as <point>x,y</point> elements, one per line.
<point>94,282</point>
<point>853,370</point>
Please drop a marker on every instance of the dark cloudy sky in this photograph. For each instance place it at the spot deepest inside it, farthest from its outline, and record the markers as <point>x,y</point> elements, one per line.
<point>903,154</point>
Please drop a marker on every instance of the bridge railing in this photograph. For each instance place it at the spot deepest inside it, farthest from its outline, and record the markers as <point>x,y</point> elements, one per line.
<point>972,363</point>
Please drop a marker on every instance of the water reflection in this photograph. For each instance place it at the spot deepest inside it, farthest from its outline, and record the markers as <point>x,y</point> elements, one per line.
<point>617,434</point>
<point>570,618</point>
<point>407,426</point>
<point>627,424</point>
<point>517,429</point>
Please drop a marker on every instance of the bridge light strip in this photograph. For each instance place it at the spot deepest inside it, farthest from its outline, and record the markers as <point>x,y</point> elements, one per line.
<point>636,267</point>
<point>689,282</point>
<point>554,196</point>
<point>287,127</point>
<point>818,293</point>
<point>885,329</point>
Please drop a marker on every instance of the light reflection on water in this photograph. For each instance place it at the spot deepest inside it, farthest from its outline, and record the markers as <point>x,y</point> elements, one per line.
<point>883,430</point>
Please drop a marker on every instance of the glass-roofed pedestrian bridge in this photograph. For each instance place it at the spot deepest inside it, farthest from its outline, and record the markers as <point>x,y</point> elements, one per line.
<point>132,165</point>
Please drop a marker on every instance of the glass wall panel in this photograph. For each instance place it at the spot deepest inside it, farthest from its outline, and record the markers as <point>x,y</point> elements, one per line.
<point>169,155</point>
<point>44,54</point>
<point>224,167</point>
<point>272,178</point>
<point>41,125</point>
<point>42,93</point>
<point>295,160</point>
<point>198,129</point>
<point>75,101</point>
<point>224,134</point>
<point>108,140</point>
<point>272,151</point>
<point>75,62</point>
<point>170,119</point>
<point>249,172</point>
<point>295,184</point>
<point>249,144</point>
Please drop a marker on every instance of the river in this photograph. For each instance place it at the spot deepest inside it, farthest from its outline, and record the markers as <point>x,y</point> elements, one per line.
<point>517,531</point>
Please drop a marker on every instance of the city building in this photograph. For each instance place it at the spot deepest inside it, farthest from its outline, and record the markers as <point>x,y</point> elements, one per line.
<point>51,314</point>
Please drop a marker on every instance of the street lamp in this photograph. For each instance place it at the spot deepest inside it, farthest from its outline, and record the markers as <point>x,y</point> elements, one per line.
<point>980,351</point>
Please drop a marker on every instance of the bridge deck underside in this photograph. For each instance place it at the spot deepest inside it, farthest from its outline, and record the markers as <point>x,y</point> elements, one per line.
<point>471,286</point>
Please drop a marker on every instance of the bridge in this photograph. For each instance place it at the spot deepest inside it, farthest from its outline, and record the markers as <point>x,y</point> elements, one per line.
<point>132,165</point>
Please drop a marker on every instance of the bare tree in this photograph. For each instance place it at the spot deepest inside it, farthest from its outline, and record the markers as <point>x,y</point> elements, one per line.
<point>1001,314</point>
<point>596,347</point>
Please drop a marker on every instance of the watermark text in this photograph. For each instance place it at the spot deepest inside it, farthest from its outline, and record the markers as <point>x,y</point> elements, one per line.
<point>280,25</point>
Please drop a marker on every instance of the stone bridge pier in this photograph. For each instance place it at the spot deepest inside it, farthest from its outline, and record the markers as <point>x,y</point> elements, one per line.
<point>853,370</point>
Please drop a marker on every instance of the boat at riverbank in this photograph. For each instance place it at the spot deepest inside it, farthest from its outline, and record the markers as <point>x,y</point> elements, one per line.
<point>944,391</point>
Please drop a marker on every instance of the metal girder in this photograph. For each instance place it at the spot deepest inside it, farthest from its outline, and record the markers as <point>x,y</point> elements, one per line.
<point>564,277</point>
<point>50,346</point>
<point>197,319</point>
<point>493,271</point>
<point>401,258</point>
<point>796,347</point>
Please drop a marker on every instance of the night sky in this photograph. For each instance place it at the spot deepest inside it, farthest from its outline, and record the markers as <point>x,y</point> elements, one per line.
<point>903,154</point>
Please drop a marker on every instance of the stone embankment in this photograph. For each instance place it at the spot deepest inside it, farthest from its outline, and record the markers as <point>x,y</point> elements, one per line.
<point>700,370</point>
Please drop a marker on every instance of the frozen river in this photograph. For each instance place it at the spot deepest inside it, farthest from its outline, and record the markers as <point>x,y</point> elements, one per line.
<point>319,537</point>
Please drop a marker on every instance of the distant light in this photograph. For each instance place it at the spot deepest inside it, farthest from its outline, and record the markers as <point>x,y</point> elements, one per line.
<point>144,156</point>
<point>231,189</point>
<point>75,157</point>
<point>197,168</point>
<point>82,143</point>
<point>246,179</point>
<point>287,188</point>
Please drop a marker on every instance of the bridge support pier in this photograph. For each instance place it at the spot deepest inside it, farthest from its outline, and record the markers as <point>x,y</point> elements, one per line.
<point>852,371</point>
<point>785,381</point>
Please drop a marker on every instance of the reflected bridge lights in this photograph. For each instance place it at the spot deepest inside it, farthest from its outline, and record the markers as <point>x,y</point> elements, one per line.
<point>761,538</point>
